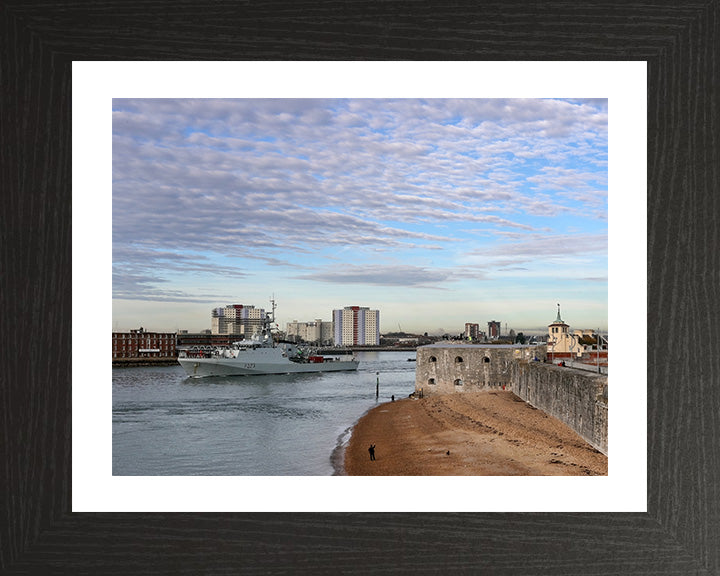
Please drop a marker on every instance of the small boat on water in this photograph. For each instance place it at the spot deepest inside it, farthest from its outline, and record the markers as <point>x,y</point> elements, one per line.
<point>262,355</point>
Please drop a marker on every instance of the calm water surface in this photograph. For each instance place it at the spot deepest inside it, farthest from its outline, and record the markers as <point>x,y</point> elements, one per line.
<point>167,424</point>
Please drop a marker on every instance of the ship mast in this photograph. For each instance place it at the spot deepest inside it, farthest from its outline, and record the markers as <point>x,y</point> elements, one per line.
<point>272,319</point>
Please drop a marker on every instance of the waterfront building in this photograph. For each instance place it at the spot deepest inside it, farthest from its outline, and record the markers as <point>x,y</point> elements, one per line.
<point>238,319</point>
<point>559,340</point>
<point>356,326</point>
<point>317,332</point>
<point>493,332</point>
<point>472,331</point>
<point>591,340</point>
<point>565,344</point>
<point>141,344</point>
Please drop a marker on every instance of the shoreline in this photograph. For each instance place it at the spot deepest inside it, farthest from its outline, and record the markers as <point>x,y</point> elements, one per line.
<point>337,457</point>
<point>489,433</point>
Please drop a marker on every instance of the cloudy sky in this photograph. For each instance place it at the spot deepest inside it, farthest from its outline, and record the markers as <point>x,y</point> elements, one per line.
<point>435,212</point>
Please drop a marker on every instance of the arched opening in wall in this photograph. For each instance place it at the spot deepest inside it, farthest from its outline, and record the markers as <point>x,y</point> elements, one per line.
<point>458,382</point>
<point>486,360</point>
<point>458,359</point>
<point>431,381</point>
<point>432,359</point>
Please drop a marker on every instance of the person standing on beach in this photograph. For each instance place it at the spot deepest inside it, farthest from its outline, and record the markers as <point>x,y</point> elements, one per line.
<point>372,451</point>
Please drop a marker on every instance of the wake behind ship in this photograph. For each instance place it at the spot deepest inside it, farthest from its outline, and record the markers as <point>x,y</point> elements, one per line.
<point>261,355</point>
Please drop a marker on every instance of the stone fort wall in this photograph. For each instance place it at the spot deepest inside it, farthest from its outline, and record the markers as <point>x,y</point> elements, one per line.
<point>447,368</point>
<point>576,398</point>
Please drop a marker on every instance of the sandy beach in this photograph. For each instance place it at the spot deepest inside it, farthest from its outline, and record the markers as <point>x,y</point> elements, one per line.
<point>491,433</point>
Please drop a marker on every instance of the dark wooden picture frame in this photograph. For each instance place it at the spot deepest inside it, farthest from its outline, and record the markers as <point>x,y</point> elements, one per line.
<point>680,533</point>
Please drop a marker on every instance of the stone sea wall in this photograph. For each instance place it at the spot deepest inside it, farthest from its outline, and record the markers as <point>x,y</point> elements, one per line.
<point>579,399</point>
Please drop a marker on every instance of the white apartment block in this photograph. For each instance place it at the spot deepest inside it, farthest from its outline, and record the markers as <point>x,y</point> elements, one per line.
<point>317,332</point>
<point>355,325</point>
<point>236,319</point>
<point>472,331</point>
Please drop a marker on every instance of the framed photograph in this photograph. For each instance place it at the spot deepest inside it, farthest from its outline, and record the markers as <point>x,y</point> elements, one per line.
<point>435,527</point>
<point>258,174</point>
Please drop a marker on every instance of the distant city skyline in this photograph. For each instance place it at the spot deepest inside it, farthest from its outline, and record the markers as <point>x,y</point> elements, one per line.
<point>436,212</point>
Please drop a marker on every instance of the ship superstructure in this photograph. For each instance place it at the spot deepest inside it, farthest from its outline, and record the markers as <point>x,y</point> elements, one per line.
<point>261,354</point>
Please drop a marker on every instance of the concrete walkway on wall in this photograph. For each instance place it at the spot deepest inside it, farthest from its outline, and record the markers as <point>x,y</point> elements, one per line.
<point>586,367</point>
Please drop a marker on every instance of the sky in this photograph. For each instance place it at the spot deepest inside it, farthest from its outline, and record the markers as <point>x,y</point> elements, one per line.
<point>436,212</point>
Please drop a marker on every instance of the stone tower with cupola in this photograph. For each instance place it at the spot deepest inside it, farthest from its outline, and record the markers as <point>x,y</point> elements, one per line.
<point>559,339</point>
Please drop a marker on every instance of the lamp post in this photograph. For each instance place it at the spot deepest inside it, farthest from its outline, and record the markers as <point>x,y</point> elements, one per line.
<point>377,385</point>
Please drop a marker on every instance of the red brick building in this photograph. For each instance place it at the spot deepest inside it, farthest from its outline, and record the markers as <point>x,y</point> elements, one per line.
<point>141,344</point>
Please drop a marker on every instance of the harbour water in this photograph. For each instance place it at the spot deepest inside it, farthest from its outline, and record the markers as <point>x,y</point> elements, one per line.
<point>165,424</point>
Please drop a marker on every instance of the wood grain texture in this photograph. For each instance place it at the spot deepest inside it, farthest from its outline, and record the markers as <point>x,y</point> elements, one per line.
<point>681,532</point>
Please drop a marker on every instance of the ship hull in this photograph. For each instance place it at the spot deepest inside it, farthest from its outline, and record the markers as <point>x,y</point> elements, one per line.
<point>204,367</point>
